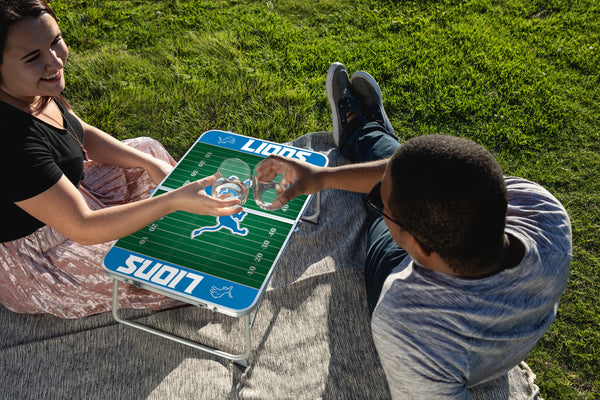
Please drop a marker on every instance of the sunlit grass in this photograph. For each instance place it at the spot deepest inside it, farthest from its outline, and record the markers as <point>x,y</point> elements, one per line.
<point>520,77</point>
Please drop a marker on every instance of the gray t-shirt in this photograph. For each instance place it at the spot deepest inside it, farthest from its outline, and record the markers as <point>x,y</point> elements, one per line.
<point>437,335</point>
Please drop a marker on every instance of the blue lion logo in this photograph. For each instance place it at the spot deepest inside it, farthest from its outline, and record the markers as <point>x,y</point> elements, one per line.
<point>227,140</point>
<point>229,222</point>
<point>217,293</point>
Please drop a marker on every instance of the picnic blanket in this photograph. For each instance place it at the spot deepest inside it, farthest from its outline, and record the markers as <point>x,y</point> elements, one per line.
<point>311,337</point>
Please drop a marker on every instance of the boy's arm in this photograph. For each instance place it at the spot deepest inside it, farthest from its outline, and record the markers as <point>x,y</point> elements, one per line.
<point>309,179</point>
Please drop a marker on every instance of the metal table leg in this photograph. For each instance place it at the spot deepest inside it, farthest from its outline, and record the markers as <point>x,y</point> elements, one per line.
<point>241,359</point>
<point>314,219</point>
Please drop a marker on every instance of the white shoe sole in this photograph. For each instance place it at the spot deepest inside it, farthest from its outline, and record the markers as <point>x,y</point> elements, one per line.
<point>334,109</point>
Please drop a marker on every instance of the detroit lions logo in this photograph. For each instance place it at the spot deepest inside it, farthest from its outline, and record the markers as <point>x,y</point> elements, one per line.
<point>227,140</point>
<point>229,222</point>
<point>217,293</point>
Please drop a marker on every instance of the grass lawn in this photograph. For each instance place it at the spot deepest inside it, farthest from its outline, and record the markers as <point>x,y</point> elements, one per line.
<point>518,76</point>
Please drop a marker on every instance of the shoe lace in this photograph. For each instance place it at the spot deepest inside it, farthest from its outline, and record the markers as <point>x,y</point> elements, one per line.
<point>350,117</point>
<point>349,109</point>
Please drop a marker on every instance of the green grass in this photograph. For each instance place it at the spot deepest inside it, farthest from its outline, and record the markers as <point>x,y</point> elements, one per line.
<point>520,77</point>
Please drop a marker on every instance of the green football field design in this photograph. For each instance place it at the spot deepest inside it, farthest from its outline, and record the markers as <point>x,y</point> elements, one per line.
<point>244,257</point>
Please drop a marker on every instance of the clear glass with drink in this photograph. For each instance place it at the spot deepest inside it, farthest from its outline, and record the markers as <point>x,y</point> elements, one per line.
<point>268,181</point>
<point>233,180</point>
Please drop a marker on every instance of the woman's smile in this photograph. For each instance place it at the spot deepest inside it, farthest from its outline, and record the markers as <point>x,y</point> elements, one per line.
<point>54,77</point>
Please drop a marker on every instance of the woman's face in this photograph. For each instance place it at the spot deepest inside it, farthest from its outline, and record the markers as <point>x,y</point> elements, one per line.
<point>33,60</point>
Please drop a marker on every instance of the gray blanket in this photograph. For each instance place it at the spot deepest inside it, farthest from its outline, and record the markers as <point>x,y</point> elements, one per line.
<point>311,337</point>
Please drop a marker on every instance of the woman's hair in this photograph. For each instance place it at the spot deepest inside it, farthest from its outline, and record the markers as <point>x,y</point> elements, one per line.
<point>13,11</point>
<point>450,195</point>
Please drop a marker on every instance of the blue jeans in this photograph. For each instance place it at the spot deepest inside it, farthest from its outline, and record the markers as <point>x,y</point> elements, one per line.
<point>369,143</point>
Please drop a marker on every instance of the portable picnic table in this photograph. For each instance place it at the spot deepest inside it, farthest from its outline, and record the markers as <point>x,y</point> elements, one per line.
<point>223,264</point>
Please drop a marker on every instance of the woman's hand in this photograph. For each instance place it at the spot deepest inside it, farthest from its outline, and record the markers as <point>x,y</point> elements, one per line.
<point>193,198</point>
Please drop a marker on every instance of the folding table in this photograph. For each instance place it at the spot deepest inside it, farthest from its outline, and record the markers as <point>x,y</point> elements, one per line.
<point>223,264</point>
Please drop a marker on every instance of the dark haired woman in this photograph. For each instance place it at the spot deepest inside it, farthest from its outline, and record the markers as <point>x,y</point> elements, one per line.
<point>56,225</point>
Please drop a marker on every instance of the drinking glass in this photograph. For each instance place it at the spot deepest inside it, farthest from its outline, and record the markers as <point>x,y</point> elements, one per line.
<point>269,180</point>
<point>233,180</point>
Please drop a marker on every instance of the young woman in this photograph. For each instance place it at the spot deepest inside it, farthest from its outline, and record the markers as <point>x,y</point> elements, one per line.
<point>61,175</point>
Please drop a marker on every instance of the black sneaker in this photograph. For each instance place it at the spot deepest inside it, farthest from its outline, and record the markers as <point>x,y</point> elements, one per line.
<point>368,91</point>
<point>345,108</point>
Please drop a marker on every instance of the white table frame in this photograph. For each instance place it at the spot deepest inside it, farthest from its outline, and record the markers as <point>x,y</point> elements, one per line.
<point>240,359</point>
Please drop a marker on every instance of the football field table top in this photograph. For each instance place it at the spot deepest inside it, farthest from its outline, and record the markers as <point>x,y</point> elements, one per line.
<point>222,263</point>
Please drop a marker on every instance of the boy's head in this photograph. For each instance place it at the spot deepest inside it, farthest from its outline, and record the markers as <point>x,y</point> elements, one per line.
<point>450,195</point>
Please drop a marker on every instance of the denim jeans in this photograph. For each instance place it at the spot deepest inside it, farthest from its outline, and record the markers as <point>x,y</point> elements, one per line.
<point>369,143</point>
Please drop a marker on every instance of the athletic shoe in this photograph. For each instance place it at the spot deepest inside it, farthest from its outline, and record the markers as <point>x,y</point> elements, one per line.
<point>343,104</point>
<point>368,91</point>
